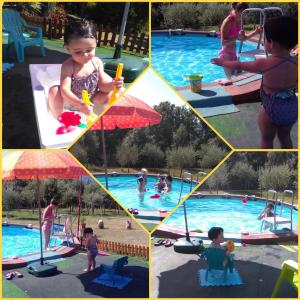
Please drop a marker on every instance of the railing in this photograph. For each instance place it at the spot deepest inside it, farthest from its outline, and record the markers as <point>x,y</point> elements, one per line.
<point>54,29</point>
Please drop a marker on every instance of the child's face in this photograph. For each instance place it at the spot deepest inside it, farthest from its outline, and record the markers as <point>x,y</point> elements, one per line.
<point>220,238</point>
<point>82,49</point>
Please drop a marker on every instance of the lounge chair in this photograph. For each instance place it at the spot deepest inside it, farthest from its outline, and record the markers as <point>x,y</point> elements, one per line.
<point>13,24</point>
<point>289,272</point>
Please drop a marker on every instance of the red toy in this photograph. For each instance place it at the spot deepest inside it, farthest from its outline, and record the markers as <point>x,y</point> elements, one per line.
<point>156,196</point>
<point>69,120</point>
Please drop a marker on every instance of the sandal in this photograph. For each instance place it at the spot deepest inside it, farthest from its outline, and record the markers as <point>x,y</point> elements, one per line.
<point>160,242</point>
<point>168,243</point>
<point>135,212</point>
<point>9,275</point>
<point>18,274</point>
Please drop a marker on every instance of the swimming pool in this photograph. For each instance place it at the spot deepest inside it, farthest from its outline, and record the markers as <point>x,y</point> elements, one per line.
<point>231,214</point>
<point>18,241</point>
<point>177,57</point>
<point>124,188</point>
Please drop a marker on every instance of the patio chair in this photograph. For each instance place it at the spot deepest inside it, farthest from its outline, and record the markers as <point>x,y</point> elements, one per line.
<point>215,259</point>
<point>289,272</point>
<point>116,268</point>
<point>13,25</point>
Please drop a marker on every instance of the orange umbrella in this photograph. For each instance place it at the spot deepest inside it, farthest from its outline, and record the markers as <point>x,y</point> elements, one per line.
<point>40,165</point>
<point>127,112</point>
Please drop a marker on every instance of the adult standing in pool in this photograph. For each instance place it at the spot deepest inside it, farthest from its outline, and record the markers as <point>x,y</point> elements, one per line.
<point>47,221</point>
<point>230,33</point>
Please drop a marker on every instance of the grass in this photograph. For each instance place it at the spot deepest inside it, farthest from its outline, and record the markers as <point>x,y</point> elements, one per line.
<point>114,225</point>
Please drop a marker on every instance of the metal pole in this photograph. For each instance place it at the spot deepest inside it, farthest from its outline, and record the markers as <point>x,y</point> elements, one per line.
<point>37,195</point>
<point>117,53</point>
<point>79,206</point>
<point>104,153</point>
<point>187,235</point>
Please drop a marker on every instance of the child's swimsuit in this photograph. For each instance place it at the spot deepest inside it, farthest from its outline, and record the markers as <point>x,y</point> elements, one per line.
<point>282,105</point>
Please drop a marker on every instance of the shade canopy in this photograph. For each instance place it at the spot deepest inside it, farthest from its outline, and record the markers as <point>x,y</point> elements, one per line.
<point>40,164</point>
<point>128,112</point>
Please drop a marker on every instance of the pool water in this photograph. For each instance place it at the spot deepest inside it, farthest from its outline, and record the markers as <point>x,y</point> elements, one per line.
<point>124,189</point>
<point>231,214</point>
<point>18,241</point>
<point>177,57</point>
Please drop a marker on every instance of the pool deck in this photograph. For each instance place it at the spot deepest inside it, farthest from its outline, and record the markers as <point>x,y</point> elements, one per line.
<point>175,275</point>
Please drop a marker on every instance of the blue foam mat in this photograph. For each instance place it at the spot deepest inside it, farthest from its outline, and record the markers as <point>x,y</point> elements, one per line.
<point>215,278</point>
<point>118,281</point>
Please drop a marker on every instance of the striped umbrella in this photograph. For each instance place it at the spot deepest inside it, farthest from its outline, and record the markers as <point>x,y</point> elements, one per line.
<point>38,165</point>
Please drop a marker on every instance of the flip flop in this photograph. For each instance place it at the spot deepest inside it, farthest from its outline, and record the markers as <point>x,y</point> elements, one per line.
<point>160,242</point>
<point>9,275</point>
<point>135,212</point>
<point>18,274</point>
<point>168,243</point>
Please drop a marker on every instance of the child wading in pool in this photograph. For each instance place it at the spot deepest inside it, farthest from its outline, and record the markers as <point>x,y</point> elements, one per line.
<point>168,184</point>
<point>279,72</point>
<point>91,246</point>
<point>82,71</point>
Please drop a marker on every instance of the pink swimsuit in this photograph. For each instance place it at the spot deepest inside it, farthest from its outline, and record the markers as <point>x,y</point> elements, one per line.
<point>49,215</point>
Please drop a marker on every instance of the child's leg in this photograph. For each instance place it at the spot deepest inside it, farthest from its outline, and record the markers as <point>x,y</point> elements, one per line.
<point>100,101</point>
<point>89,254</point>
<point>284,136</point>
<point>267,130</point>
<point>93,262</point>
<point>228,72</point>
<point>55,101</point>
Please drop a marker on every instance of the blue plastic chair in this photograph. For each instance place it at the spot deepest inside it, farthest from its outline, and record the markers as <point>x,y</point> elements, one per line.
<point>215,259</point>
<point>116,268</point>
<point>13,24</point>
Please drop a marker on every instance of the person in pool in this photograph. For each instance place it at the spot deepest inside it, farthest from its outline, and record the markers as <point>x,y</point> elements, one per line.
<point>82,71</point>
<point>230,33</point>
<point>141,185</point>
<point>160,184</point>
<point>144,174</point>
<point>279,111</point>
<point>267,211</point>
<point>47,221</point>
<point>168,184</point>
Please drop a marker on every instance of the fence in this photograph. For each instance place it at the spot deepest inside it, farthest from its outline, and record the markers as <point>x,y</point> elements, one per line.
<point>132,42</point>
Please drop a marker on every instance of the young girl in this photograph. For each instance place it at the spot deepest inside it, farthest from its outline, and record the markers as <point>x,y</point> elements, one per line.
<point>230,33</point>
<point>81,71</point>
<point>279,80</point>
<point>91,246</point>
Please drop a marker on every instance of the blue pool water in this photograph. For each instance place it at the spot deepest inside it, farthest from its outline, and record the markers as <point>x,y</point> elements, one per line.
<point>17,241</point>
<point>177,57</point>
<point>231,214</point>
<point>124,188</point>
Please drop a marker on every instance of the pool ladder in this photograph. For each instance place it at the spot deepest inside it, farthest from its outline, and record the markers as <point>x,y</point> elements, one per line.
<point>66,234</point>
<point>185,176</point>
<point>278,219</point>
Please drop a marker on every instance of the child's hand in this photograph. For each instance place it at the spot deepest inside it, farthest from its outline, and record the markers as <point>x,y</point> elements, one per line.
<point>118,83</point>
<point>216,61</point>
<point>86,109</point>
<point>241,35</point>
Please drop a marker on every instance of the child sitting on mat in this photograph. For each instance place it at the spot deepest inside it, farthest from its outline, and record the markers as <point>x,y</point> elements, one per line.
<point>279,111</point>
<point>91,246</point>
<point>82,71</point>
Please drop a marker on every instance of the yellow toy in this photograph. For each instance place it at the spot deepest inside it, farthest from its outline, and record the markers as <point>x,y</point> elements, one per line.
<point>115,93</point>
<point>230,246</point>
<point>92,117</point>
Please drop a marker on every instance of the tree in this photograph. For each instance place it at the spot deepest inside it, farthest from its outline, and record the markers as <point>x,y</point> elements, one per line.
<point>211,155</point>
<point>127,155</point>
<point>275,177</point>
<point>152,156</point>
<point>218,180</point>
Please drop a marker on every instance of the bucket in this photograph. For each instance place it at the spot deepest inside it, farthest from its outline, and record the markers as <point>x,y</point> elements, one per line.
<point>195,83</point>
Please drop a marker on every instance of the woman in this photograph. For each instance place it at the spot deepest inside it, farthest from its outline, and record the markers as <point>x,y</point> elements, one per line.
<point>230,33</point>
<point>47,221</point>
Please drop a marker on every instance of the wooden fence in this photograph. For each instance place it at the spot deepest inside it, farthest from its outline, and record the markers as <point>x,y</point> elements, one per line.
<point>132,42</point>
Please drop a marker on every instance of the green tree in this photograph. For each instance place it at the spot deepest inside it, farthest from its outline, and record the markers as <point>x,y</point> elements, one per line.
<point>152,156</point>
<point>127,155</point>
<point>218,180</point>
<point>211,155</point>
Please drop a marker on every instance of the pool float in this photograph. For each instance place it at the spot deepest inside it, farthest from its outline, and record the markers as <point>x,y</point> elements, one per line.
<point>92,117</point>
<point>156,196</point>
<point>230,246</point>
<point>69,121</point>
<point>115,93</point>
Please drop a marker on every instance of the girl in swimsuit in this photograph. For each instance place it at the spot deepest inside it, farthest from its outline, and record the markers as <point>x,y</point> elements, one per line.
<point>279,111</point>
<point>82,71</point>
<point>230,33</point>
<point>47,221</point>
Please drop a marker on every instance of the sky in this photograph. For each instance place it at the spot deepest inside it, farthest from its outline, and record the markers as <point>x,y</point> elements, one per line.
<point>151,89</point>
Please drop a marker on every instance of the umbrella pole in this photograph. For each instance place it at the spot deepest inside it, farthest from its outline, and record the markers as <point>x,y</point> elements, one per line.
<point>37,195</point>
<point>104,153</point>
<point>117,53</point>
<point>186,223</point>
<point>79,207</point>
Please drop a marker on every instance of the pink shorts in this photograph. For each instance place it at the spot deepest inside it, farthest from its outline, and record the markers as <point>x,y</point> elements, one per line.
<point>231,54</point>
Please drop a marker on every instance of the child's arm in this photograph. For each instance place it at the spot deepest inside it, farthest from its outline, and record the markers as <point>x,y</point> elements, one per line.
<point>255,66</point>
<point>253,33</point>
<point>106,84</point>
<point>67,94</point>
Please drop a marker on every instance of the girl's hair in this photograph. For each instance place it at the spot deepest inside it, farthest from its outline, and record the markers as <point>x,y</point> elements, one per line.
<point>79,29</point>
<point>88,230</point>
<point>233,5</point>
<point>54,202</point>
<point>282,30</point>
<point>214,232</point>
<point>240,6</point>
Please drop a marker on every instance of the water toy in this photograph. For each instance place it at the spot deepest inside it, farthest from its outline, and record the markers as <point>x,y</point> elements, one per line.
<point>230,245</point>
<point>92,117</point>
<point>155,196</point>
<point>69,120</point>
<point>115,93</point>
<point>195,83</point>
<point>244,200</point>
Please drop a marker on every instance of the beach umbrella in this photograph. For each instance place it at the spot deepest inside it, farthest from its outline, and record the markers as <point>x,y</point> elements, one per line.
<point>127,112</point>
<point>39,165</point>
<point>117,53</point>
